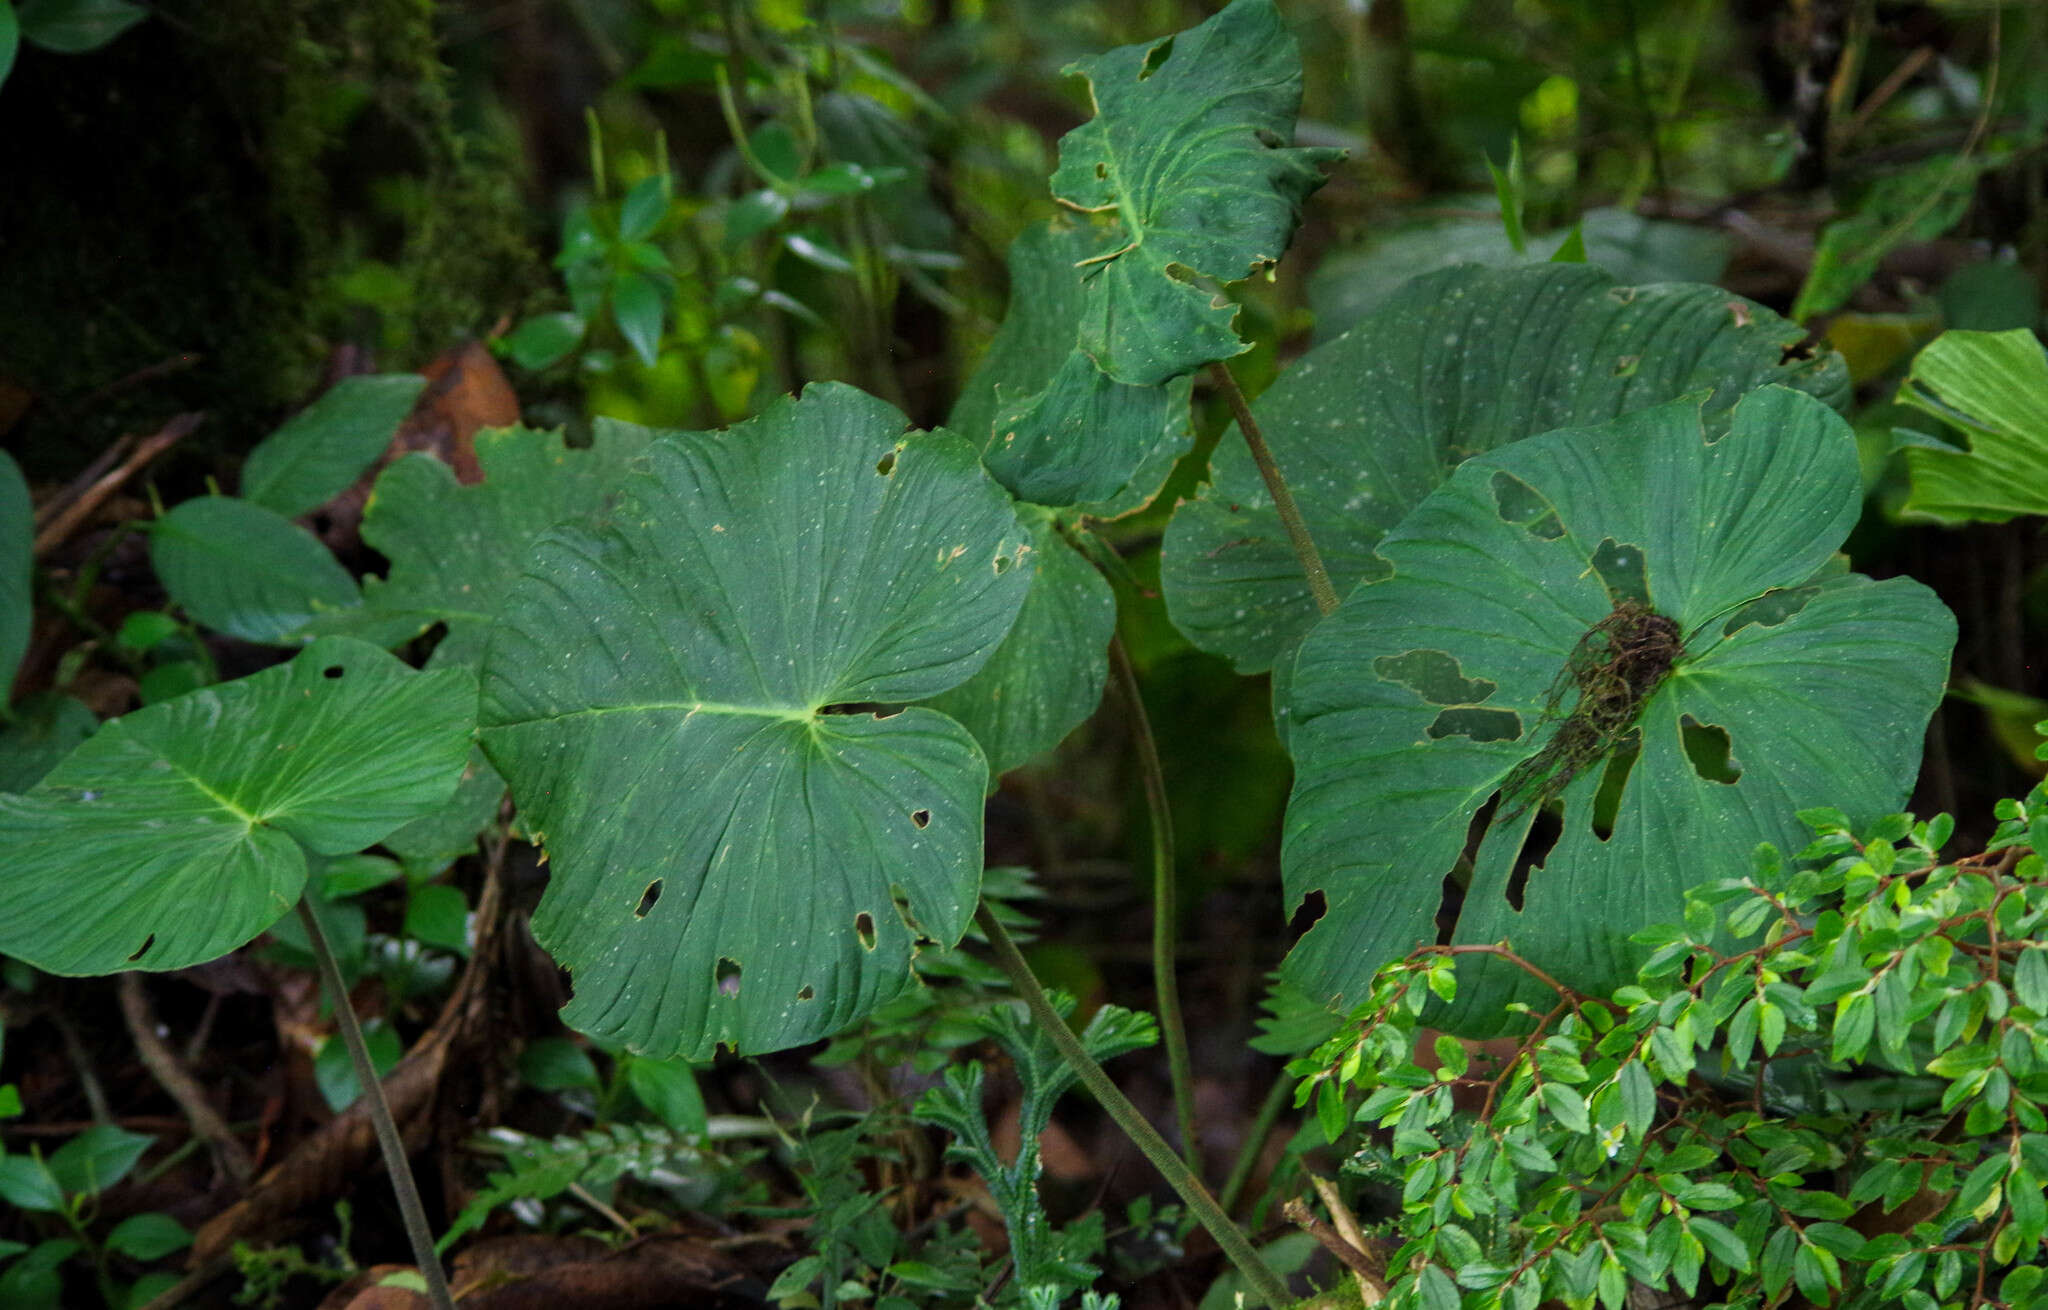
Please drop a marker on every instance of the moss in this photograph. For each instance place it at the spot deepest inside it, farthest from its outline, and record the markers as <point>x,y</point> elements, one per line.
<point>252,185</point>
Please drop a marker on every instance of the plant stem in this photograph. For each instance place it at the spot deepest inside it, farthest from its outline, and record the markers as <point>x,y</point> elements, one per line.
<point>1276,487</point>
<point>1165,906</point>
<point>1264,1282</point>
<point>409,1208</point>
<point>1269,1113</point>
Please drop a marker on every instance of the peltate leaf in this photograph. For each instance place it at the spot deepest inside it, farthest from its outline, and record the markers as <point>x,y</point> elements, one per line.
<point>1457,363</point>
<point>455,549</point>
<point>326,446</point>
<point>739,852</point>
<point>245,570</point>
<point>17,534</point>
<point>175,834</point>
<point>1188,148</point>
<point>1047,676</point>
<point>1051,426</point>
<point>1436,689</point>
<point>1994,386</point>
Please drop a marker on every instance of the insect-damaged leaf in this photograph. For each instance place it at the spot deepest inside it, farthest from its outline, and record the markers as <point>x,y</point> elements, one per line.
<point>1457,363</point>
<point>174,834</point>
<point>1189,147</point>
<point>732,860</point>
<point>1466,675</point>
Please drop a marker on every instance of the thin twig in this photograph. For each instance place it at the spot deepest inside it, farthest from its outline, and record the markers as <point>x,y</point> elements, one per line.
<point>1165,906</point>
<point>171,1075</point>
<point>1361,1264</point>
<point>407,1191</point>
<point>1276,487</point>
<point>1264,1283</point>
<point>92,473</point>
<point>63,525</point>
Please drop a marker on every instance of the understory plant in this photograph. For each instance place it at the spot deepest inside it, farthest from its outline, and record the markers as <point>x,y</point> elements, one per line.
<point>1826,1082</point>
<point>1544,568</point>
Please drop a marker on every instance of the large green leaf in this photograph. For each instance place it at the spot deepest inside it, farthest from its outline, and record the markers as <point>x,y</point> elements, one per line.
<point>739,851</point>
<point>1188,148</point>
<point>1918,204</point>
<point>17,607</point>
<point>245,570</point>
<point>455,549</point>
<point>1422,697</point>
<point>1051,426</point>
<point>1047,676</point>
<point>1994,386</point>
<point>1457,363</point>
<point>327,445</point>
<point>175,834</point>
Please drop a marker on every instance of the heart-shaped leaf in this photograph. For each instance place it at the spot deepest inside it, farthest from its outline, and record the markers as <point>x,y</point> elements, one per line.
<point>175,834</point>
<point>1456,363</point>
<point>1188,148</point>
<point>739,853</point>
<point>1626,609</point>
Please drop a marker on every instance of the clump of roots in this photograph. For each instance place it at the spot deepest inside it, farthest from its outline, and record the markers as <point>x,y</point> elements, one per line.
<point>1613,669</point>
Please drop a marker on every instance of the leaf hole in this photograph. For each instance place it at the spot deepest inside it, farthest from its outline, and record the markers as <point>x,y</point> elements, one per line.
<point>922,818</point>
<point>1623,571</point>
<point>1709,749</point>
<point>1434,675</point>
<point>143,949</point>
<point>888,712</point>
<point>1518,502</point>
<point>1614,783</point>
<point>864,928</point>
<point>807,993</point>
<point>727,976</point>
<point>1770,609</point>
<point>1801,349</point>
<point>886,464</point>
<point>331,671</point>
<point>648,898</point>
<point>1154,58</point>
<point>1003,563</point>
<point>1101,171</point>
<point>1477,723</point>
<point>1312,908</point>
<point>1544,831</point>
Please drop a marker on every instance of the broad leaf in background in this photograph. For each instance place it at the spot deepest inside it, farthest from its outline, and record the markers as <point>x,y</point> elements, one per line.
<point>1993,386</point>
<point>1047,676</point>
<point>1457,363</point>
<point>1188,149</point>
<point>1447,684</point>
<point>1051,426</point>
<point>10,38</point>
<point>175,833</point>
<point>1919,204</point>
<point>17,603</point>
<point>455,549</point>
<point>326,446</point>
<point>247,571</point>
<point>740,851</point>
<point>46,727</point>
<point>72,27</point>
<point>1350,284</point>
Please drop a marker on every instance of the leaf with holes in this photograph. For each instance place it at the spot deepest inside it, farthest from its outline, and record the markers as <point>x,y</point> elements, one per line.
<point>179,832</point>
<point>1630,626</point>
<point>1051,426</point>
<point>697,708</point>
<point>1994,386</point>
<point>1456,364</point>
<point>1189,148</point>
<point>455,549</point>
